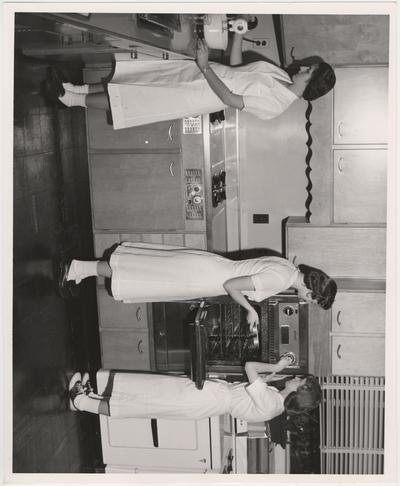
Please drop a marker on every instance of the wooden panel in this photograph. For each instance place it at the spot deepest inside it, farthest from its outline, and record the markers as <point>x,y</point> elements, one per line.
<point>360,105</point>
<point>115,314</point>
<point>154,136</point>
<point>341,251</point>
<point>359,186</point>
<point>138,192</point>
<point>361,356</point>
<point>125,350</point>
<point>359,312</point>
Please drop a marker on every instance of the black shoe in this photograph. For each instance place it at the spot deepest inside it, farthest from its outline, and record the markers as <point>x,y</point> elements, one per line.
<point>75,388</point>
<point>66,288</point>
<point>55,79</point>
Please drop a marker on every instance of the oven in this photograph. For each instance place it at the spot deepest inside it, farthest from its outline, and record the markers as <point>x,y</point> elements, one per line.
<point>213,336</point>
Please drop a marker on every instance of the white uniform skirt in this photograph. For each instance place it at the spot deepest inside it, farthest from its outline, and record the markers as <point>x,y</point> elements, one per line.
<point>141,395</point>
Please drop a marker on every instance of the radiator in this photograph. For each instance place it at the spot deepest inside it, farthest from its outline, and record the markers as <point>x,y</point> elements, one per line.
<point>352,422</point>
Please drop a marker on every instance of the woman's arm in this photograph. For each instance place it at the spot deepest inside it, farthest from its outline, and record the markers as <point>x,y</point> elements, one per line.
<point>236,50</point>
<point>254,368</point>
<point>234,288</point>
<point>219,88</point>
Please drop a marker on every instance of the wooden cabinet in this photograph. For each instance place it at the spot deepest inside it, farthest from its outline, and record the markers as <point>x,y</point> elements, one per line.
<point>359,312</point>
<point>124,334</point>
<point>360,105</point>
<point>162,136</point>
<point>341,251</point>
<point>355,256</point>
<point>358,355</point>
<point>359,181</point>
<point>140,191</point>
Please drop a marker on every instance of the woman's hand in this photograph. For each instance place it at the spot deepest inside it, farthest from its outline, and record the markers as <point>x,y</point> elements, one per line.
<point>283,363</point>
<point>202,54</point>
<point>253,320</point>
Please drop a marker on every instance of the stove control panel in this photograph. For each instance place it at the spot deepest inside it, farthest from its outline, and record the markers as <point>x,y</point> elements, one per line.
<point>194,195</point>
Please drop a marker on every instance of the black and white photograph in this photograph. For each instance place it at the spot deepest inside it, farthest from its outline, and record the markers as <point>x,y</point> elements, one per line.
<point>201,202</point>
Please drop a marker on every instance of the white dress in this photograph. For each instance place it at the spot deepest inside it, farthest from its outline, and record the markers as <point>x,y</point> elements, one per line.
<point>143,92</point>
<point>140,395</point>
<point>158,273</point>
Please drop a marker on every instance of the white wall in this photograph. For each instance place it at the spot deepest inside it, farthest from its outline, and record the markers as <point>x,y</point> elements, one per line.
<point>271,174</point>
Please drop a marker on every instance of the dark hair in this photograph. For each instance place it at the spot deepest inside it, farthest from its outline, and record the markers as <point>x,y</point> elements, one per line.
<point>323,78</point>
<point>306,398</point>
<point>323,288</point>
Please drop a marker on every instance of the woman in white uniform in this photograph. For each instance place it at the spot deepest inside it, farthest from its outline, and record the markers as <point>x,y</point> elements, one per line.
<point>143,272</point>
<point>141,395</point>
<point>142,92</point>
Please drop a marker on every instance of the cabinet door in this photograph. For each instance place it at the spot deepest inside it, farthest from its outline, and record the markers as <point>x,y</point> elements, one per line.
<point>359,312</point>
<point>116,315</point>
<point>341,251</point>
<point>125,350</point>
<point>359,186</point>
<point>137,192</point>
<point>358,355</point>
<point>360,105</point>
<point>155,136</point>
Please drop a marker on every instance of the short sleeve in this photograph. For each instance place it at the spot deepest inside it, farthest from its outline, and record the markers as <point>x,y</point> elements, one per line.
<point>267,102</point>
<point>267,400</point>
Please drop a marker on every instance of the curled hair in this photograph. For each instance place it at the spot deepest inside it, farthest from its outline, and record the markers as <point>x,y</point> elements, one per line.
<point>306,398</point>
<point>323,78</point>
<point>323,288</point>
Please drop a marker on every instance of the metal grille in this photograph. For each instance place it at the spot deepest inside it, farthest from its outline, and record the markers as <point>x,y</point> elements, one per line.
<point>352,416</point>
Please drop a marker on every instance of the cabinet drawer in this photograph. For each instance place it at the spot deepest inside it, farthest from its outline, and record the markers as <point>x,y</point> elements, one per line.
<point>125,350</point>
<point>113,314</point>
<point>153,136</point>
<point>359,186</point>
<point>358,355</point>
<point>341,251</point>
<point>359,312</point>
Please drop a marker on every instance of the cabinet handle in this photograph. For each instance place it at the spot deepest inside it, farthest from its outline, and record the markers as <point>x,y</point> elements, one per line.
<point>337,318</point>
<point>170,133</point>
<point>139,346</point>
<point>340,165</point>
<point>337,351</point>
<point>161,333</point>
<point>339,128</point>
<point>139,314</point>
<point>294,259</point>
<point>171,168</point>
<point>203,460</point>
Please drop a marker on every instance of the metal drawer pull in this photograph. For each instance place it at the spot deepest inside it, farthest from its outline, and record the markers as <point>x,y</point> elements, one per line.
<point>139,314</point>
<point>340,165</point>
<point>337,318</point>
<point>339,128</point>
<point>140,346</point>
<point>171,168</point>
<point>170,133</point>
<point>337,351</point>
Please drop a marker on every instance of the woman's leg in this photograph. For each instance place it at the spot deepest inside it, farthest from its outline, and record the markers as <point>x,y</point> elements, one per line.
<point>83,403</point>
<point>97,100</point>
<point>80,269</point>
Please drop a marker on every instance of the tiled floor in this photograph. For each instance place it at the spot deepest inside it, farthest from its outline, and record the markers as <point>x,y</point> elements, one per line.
<point>52,337</point>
